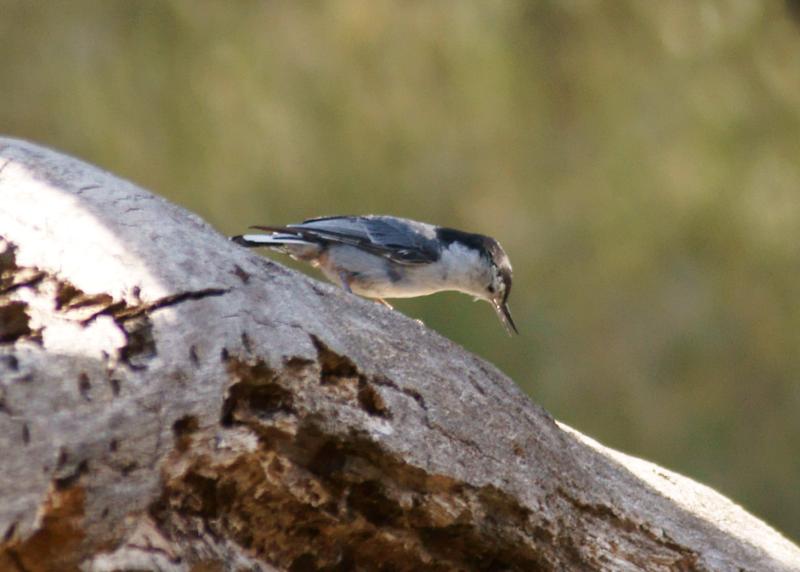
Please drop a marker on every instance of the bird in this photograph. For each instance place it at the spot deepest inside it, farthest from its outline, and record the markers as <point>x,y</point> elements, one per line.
<point>379,256</point>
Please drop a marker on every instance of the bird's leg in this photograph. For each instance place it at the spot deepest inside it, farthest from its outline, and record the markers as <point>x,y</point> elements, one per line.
<point>344,281</point>
<point>385,303</point>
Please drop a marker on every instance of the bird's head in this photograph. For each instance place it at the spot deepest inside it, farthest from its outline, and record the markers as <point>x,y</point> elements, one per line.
<point>486,268</point>
<point>499,286</point>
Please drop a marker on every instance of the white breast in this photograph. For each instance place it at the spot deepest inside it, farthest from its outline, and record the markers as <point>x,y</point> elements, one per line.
<point>459,268</point>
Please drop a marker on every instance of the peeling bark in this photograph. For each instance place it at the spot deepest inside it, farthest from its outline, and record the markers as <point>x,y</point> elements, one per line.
<point>170,401</point>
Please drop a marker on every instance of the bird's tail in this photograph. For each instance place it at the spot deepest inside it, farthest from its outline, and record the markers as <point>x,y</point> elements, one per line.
<point>274,240</point>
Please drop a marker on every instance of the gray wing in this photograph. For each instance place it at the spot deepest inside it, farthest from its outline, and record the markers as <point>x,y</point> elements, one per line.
<point>401,240</point>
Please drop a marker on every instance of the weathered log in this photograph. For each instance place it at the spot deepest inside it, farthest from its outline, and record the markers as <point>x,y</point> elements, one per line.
<point>171,401</point>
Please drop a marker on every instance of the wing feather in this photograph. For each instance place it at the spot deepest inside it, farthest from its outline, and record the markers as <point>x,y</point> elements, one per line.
<point>400,240</point>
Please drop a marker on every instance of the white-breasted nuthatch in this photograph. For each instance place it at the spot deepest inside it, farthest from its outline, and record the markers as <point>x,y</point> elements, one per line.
<point>390,257</point>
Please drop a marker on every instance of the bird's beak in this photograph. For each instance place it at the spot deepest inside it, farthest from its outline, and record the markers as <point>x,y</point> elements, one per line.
<point>505,316</point>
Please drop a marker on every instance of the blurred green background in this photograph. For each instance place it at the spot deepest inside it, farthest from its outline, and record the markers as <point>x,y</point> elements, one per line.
<point>640,162</point>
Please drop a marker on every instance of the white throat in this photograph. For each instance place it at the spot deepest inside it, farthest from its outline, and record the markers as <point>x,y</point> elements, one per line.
<point>464,269</point>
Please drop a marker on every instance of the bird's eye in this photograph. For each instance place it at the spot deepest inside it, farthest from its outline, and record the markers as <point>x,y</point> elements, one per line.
<point>491,288</point>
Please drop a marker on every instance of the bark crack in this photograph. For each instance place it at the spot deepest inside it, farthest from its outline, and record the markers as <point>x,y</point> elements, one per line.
<point>685,558</point>
<point>121,311</point>
<point>5,164</point>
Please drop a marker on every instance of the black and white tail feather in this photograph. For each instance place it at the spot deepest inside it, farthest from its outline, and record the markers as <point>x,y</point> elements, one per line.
<point>268,240</point>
